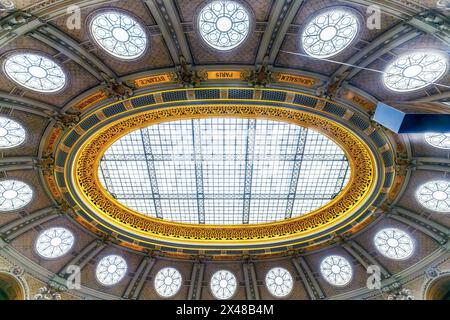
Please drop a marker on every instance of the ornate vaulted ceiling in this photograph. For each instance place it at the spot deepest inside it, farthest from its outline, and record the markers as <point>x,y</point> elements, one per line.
<point>85,107</point>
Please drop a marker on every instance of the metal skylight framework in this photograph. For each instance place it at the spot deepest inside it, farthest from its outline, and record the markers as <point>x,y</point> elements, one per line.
<point>224,171</point>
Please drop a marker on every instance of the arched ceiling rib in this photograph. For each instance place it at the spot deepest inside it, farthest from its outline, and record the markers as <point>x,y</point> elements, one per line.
<point>281,15</point>
<point>7,98</point>
<point>377,48</point>
<point>64,44</point>
<point>168,21</point>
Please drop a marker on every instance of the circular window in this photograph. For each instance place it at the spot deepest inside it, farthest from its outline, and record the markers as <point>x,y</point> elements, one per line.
<point>435,195</point>
<point>394,243</point>
<point>415,71</point>
<point>329,32</point>
<point>12,134</point>
<point>223,25</point>
<point>223,284</point>
<point>168,282</point>
<point>54,242</point>
<point>14,195</point>
<point>336,270</point>
<point>279,282</point>
<point>119,34</point>
<point>111,269</point>
<point>35,72</point>
<point>438,140</point>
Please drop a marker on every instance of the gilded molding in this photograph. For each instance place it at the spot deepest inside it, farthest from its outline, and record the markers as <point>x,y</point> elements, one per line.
<point>349,211</point>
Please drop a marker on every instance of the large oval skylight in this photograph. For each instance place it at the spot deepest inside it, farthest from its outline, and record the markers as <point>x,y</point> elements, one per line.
<point>415,70</point>
<point>329,32</point>
<point>119,34</point>
<point>35,72</point>
<point>201,170</point>
<point>14,195</point>
<point>223,24</point>
<point>12,134</point>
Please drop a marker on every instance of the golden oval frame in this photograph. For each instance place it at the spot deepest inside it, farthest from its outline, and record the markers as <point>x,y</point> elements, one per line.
<point>359,189</point>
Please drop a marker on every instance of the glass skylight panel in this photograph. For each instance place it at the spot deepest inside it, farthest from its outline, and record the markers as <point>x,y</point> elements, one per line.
<point>435,196</point>
<point>54,242</point>
<point>111,269</point>
<point>168,282</point>
<point>163,170</point>
<point>279,282</point>
<point>223,284</point>
<point>415,70</point>
<point>223,25</point>
<point>12,134</point>
<point>14,195</point>
<point>329,32</point>
<point>336,270</point>
<point>119,34</point>
<point>438,140</point>
<point>35,72</point>
<point>394,243</point>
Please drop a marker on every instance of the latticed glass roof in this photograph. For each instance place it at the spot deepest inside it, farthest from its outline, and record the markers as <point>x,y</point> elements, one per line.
<point>224,170</point>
